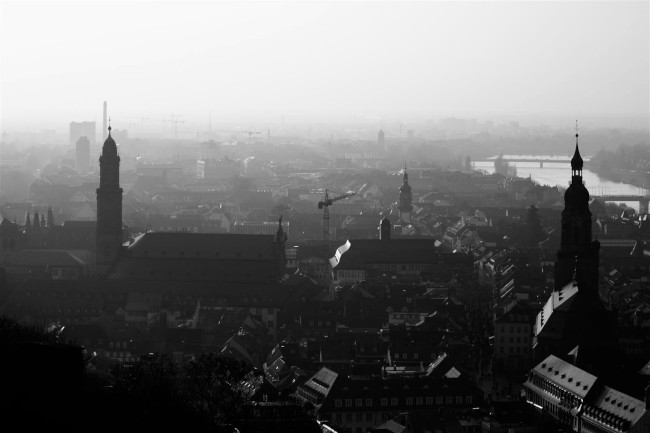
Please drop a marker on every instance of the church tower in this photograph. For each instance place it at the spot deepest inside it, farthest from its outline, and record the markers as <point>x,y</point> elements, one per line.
<point>574,319</point>
<point>279,242</point>
<point>405,199</point>
<point>578,255</point>
<point>109,205</point>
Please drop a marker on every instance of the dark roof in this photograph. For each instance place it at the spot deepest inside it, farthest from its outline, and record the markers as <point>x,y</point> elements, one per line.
<point>200,257</point>
<point>194,270</point>
<point>566,375</point>
<point>205,245</point>
<point>401,388</point>
<point>364,251</point>
<point>46,258</point>
<point>7,228</point>
<point>573,316</point>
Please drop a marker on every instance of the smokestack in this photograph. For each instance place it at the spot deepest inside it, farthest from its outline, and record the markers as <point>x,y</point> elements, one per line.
<point>104,131</point>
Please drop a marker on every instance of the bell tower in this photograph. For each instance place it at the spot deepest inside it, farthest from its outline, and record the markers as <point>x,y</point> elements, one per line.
<point>405,199</point>
<point>578,255</point>
<point>109,205</point>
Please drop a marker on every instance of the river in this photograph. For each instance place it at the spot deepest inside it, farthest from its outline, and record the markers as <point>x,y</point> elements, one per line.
<point>559,173</point>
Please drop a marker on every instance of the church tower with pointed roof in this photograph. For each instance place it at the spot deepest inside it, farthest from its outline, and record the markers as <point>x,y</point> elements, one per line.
<point>574,315</point>
<point>578,255</point>
<point>405,199</point>
<point>109,205</point>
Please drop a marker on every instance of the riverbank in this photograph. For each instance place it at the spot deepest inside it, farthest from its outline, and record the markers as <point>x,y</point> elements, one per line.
<point>640,179</point>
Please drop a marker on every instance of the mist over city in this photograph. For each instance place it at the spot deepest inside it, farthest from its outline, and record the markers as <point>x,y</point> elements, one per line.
<point>325,216</point>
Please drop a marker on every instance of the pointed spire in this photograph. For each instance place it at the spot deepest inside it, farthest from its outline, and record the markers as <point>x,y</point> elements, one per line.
<point>28,224</point>
<point>576,161</point>
<point>36,224</point>
<point>280,235</point>
<point>50,218</point>
<point>109,126</point>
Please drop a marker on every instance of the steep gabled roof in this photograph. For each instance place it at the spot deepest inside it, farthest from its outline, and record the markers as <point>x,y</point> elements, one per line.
<point>566,375</point>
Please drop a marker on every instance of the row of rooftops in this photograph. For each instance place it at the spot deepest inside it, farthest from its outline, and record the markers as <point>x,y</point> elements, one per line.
<point>599,402</point>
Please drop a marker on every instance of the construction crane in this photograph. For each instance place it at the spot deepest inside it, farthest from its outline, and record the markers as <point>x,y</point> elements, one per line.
<point>325,204</point>
<point>175,121</point>
<point>232,131</point>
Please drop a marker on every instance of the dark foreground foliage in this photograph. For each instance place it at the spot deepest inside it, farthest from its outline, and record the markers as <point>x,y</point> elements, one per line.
<point>47,384</point>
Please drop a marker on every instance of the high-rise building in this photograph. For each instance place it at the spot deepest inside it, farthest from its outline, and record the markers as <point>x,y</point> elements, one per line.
<point>109,205</point>
<point>381,138</point>
<point>81,129</point>
<point>82,160</point>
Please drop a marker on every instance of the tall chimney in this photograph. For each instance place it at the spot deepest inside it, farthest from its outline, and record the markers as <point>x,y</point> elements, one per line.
<point>105,129</point>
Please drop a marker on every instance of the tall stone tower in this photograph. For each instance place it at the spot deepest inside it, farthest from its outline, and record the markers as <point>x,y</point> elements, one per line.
<point>578,254</point>
<point>109,205</point>
<point>380,139</point>
<point>405,199</point>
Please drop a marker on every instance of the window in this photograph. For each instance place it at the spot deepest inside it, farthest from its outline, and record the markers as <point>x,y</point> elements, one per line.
<point>438,400</point>
<point>384,402</point>
<point>348,417</point>
<point>459,399</point>
<point>396,355</point>
<point>415,356</point>
<point>359,417</point>
<point>429,401</point>
<point>269,311</point>
<point>368,402</point>
<point>348,402</point>
<point>404,355</point>
<point>358,402</point>
<point>418,401</point>
<point>369,416</point>
<point>468,399</point>
<point>338,402</point>
<point>409,401</point>
<point>449,400</point>
<point>393,402</point>
<point>339,418</point>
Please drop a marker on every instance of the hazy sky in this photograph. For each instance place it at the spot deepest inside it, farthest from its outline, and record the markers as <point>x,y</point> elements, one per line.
<point>60,60</point>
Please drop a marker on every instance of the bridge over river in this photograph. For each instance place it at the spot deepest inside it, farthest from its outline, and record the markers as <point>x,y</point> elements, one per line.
<point>643,200</point>
<point>541,159</point>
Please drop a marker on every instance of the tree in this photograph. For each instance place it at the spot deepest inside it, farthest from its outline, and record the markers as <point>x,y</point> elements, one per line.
<point>211,387</point>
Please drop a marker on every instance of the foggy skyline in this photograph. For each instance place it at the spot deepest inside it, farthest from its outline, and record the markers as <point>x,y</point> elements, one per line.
<point>264,60</point>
